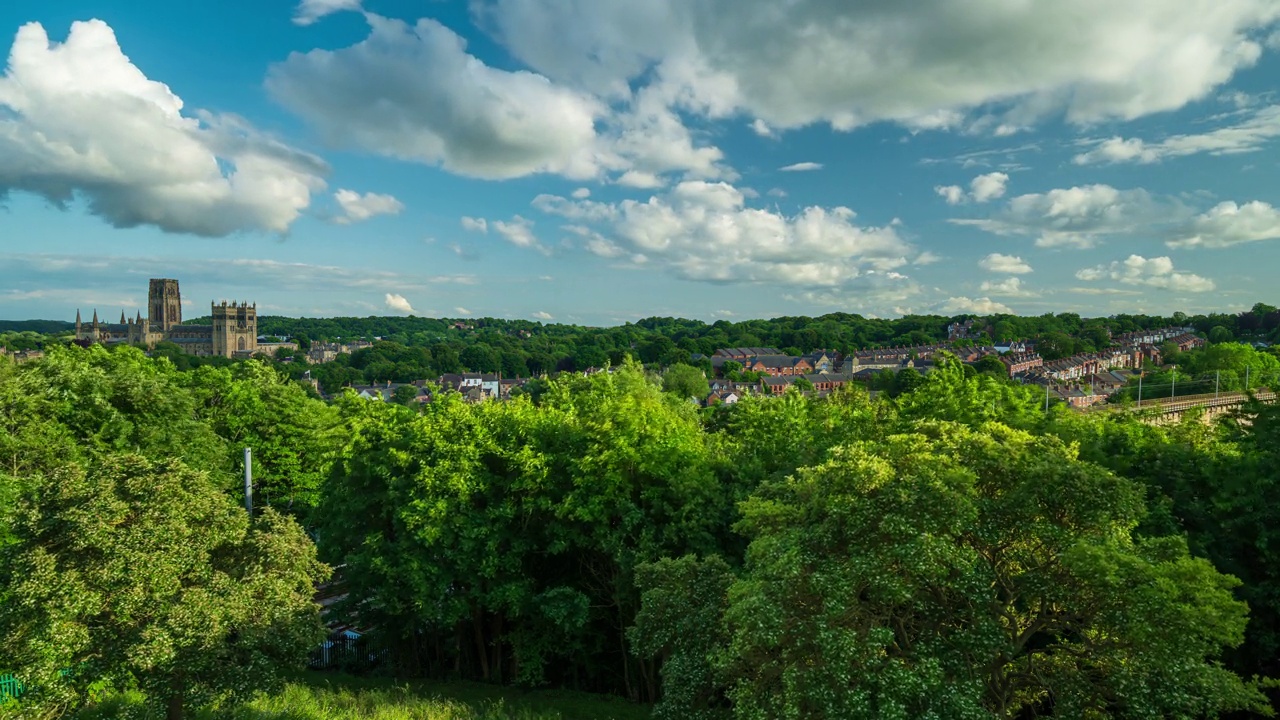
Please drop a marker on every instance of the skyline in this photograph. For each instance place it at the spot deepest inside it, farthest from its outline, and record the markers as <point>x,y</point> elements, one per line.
<point>595,163</point>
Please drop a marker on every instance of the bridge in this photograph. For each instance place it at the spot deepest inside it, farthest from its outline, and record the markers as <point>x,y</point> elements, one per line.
<point>1170,409</point>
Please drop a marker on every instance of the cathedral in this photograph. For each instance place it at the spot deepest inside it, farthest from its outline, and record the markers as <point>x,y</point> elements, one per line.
<point>232,333</point>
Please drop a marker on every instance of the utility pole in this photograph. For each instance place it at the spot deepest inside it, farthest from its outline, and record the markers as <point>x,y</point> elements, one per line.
<point>1217,376</point>
<point>1173,387</point>
<point>1046,397</point>
<point>1140,374</point>
<point>248,481</point>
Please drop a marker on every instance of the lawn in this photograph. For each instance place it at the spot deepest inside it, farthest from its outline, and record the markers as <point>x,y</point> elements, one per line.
<point>328,696</point>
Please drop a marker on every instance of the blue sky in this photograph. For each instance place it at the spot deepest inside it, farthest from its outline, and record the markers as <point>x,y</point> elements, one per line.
<point>597,162</point>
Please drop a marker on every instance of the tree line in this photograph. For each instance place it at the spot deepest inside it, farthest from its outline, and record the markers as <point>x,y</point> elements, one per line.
<point>954,551</point>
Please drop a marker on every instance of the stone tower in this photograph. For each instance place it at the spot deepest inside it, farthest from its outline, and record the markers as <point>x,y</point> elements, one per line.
<point>164,304</point>
<point>235,328</point>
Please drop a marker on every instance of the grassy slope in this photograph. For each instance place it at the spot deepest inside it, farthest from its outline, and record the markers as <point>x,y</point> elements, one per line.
<point>325,696</point>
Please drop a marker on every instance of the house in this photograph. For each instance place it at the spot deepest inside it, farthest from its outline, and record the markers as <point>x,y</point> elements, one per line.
<point>778,365</point>
<point>963,330</point>
<point>485,386</point>
<point>1022,363</point>
<point>1188,341</point>
<point>777,385</point>
<point>822,361</point>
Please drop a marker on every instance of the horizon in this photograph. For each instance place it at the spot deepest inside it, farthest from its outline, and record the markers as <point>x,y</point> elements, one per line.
<point>707,166</point>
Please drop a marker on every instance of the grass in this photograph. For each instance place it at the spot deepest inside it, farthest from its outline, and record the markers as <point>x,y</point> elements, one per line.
<point>328,696</point>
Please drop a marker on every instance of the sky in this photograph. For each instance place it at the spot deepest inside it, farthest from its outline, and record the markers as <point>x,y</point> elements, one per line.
<point>600,161</point>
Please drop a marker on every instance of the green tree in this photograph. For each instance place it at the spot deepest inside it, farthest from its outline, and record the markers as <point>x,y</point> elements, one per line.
<point>803,384</point>
<point>1220,334</point>
<point>147,575</point>
<point>991,365</point>
<point>405,395</point>
<point>291,434</point>
<point>972,574</point>
<point>685,381</point>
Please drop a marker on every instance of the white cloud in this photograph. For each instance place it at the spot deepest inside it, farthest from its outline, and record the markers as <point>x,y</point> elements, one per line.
<point>471,224</point>
<point>1079,216</point>
<point>927,257</point>
<point>640,180</point>
<point>801,167</point>
<point>581,193</point>
<point>777,192</point>
<point>398,303</point>
<point>927,64</point>
<point>477,120</point>
<point>762,128</point>
<point>975,306</point>
<point>414,93</point>
<point>1229,224</point>
<point>1150,272</point>
<point>982,188</point>
<point>1009,287</point>
<point>1250,135</point>
<point>518,232</point>
<point>310,11</point>
<point>705,231</point>
<point>462,311</point>
<point>78,119</point>
<point>953,194</point>
<point>543,315</point>
<point>362,207</point>
<point>1011,264</point>
<point>988,187</point>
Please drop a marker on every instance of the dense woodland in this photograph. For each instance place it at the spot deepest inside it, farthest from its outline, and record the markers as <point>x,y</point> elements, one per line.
<point>952,552</point>
<point>419,348</point>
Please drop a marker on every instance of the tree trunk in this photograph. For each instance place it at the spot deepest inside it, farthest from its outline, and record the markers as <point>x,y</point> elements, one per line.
<point>174,709</point>
<point>477,622</point>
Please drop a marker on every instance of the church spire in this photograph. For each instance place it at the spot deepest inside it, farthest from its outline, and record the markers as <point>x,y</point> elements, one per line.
<point>77,318</point>
<point>95,317</point>
<point>122,317</point>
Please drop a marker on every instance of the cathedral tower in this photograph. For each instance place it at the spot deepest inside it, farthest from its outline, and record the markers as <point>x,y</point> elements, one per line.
<point>164,304</point>
<point>235,329</point>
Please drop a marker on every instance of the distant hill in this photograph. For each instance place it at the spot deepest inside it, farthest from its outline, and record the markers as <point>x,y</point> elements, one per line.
<point>47,327</point>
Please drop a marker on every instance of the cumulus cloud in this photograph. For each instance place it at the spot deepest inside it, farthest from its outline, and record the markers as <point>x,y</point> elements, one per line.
<point>705,231</point>
<point>928,257</point>
<point>543,315</point>
<point>974,306</point>
<point>357,207</point>
<point>1010,264</point>
<point>801,167</point>
<point>398,303</point>
<point>471,224</point>
<point>413,92</point>
<point>1228,224</point>
<point>1150,272</point>
<point>518,232</point>
<point>983,188</point>
<point>581,193</point>
<point>1009,287</point>
<point>1079,216</point>
<point>78,119</point>
<point>309,11</point>
<point>993,63</point>
<point>988,187</point>
<point>1249,135</point>
<point>953,194</point>
<point>462,311</point>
